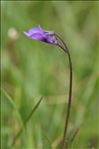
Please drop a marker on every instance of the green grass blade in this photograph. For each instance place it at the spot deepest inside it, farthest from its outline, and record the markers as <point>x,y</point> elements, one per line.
<point>11,101</point>
<point>26,121</point>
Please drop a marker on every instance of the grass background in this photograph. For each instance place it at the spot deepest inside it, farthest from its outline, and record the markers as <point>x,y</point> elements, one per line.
<point>31,69</point>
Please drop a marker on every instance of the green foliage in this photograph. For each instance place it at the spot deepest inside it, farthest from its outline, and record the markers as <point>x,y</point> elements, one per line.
<point>31,69</point>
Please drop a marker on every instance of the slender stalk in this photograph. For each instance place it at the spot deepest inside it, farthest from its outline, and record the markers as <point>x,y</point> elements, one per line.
<point>69,103</point>
<point>64,47</point>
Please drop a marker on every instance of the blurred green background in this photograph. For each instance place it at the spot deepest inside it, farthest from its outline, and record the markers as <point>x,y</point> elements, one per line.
<point>31,69</point>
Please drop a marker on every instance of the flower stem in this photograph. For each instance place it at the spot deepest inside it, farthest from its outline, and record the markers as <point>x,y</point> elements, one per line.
<point>69,103</point>
<point>64,47</point>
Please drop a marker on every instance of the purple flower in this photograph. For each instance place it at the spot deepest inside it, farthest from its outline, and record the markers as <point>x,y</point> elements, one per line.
<point>42,35</point>
<point>53,38</point>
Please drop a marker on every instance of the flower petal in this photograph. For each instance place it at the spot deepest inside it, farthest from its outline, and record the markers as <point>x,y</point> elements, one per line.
<point>41,35</point>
